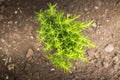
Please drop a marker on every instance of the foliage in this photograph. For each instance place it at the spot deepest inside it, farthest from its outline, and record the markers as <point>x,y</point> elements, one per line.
<point>63,35</point>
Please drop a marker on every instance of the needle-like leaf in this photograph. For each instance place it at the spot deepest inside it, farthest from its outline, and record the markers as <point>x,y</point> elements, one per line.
<point>62,34</point>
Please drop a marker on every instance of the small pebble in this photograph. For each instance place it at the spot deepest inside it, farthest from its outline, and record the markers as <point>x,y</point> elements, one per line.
<point>18,8</point>
<point>4,59</point>
<point>10,22</point>
<point>68,15</point>
<point>20,11</point>
<point>2,40</point>
<point>15,12</point>
<point>116,58</point>
<point>94,24</point>
<point>15,22</point>
<point>106,10</point>
<point>116,67</point>
<point>22,62</point>
<point>31,37</point>
<point>105,64</point>
<point>96,7</point>
<point>3,32</point>
<point>7,77</point>
<point>1,17</point>
<point>9,45</point>
<point>11,67</point>
<point>1,48</point>
<point>38,49</point>
<point>52,69</point>
<point>30,53</point>
<point>74,68</point>
<point>107,20</point>
<point>109,48</point>
<point>14,41</point>
<point>86,9</point>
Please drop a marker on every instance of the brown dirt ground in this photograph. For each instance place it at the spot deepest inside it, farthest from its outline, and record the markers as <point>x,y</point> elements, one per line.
<point>22,56</point>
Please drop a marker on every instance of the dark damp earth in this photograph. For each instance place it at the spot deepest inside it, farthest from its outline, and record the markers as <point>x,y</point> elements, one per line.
<point>22,56</point>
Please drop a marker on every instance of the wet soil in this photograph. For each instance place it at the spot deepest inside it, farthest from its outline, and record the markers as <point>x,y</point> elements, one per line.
<point>22,56</point>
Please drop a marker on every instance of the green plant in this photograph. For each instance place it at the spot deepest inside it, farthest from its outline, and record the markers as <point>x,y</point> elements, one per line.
<point>63,35</point>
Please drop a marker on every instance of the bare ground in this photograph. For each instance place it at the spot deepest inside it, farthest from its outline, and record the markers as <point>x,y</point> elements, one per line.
<point>22,56</point>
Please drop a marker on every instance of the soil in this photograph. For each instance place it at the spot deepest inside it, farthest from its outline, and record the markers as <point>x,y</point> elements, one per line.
<point>22,56</point>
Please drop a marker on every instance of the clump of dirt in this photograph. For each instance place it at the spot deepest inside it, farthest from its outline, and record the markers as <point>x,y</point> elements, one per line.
<point>22,56</point>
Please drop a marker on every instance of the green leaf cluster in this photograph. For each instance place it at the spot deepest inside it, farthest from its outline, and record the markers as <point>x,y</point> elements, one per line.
<point>63,34</point>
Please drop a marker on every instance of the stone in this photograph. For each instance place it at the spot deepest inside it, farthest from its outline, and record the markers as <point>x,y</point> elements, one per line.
<point>68,15</point>
<point>1,48</point>
<point>116,67</point>
<point>16,22</point>
<point>7,77</point>
<point>107,20</point>
<point>96,7</point>
<point>74,67</point>
<point>109,48</point>
<point>1,17</point>
<point>116,58</point>
<point>30,53</point>
<point>16,12</point>
<point>28,67</point>
<point>2,40</point>
<point>52,69</point>
<point>31,37</point>
<point>14,42</point>
<point>11,66</point>
<point>38,49</point>
<point>10,22</point>
<point>9,45</point>
<point>105,64</point>
<point>94,24</point>
<point>86,9</point>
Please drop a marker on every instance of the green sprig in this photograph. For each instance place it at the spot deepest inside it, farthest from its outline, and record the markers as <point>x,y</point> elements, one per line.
<point>64,35</point>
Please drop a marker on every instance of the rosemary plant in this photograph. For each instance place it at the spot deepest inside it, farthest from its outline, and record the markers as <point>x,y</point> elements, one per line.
<point>63,34</point>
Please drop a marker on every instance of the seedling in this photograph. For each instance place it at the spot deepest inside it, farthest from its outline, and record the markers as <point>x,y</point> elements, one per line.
<point>62,37</point>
